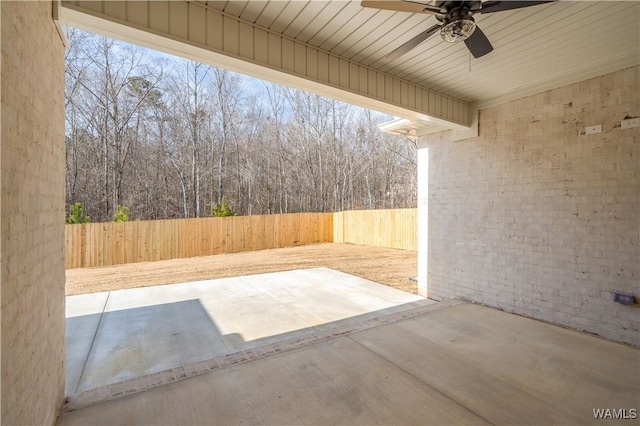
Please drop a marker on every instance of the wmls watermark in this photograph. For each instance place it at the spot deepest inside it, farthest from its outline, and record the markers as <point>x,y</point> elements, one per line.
<point>615,413</point>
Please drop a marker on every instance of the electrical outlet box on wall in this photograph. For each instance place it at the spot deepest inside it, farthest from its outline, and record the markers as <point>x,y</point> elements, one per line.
<point>630,123</point>
<point>592,130</point>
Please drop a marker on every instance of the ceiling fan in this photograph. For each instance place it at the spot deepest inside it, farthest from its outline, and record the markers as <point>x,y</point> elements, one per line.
<point>456,17</point>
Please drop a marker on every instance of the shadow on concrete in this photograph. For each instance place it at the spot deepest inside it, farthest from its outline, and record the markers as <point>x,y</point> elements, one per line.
<point>138,341</point>
<point>444,363</point>
<point>117,346</point>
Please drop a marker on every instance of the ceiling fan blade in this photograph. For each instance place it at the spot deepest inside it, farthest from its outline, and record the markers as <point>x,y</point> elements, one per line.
<point>499,6</point>
<point>478,44</point>
<point>405,48</point>
<point>400,6</point>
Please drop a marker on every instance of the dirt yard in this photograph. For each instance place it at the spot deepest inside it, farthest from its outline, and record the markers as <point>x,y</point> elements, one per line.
<point>385,266</point>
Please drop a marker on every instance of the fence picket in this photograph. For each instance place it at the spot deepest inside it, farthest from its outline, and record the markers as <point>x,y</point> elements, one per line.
<point>104,244</point>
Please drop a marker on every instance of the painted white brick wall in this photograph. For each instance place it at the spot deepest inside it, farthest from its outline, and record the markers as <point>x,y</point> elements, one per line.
<point>32,162</point>
<point>535,217</point>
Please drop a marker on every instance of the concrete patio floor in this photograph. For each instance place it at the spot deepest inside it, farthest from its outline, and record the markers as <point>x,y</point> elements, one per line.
<point>415,363</point>
<point>116,336</point>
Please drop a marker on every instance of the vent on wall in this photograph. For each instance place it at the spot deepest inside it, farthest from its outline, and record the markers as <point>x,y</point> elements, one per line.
<point>624,298</point>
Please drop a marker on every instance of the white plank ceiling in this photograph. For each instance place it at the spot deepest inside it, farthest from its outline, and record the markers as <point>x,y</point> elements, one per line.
<point>534,48</point>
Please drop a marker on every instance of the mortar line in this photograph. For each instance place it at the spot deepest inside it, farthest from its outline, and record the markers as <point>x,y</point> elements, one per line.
<point>93,340</point>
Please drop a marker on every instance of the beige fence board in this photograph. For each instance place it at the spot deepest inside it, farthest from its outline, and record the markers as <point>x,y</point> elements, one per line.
<point>104,244</point>
<point>382,228</point>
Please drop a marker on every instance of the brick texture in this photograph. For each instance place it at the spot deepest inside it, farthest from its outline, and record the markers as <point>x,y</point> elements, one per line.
<point>32,216</point>
<point>536,217</point>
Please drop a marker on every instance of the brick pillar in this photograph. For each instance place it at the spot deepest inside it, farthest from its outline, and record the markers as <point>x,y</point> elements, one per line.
<point>423,205</point>
<point>32,173</point>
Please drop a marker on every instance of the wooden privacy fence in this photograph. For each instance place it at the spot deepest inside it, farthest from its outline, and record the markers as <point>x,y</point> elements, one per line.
<point>111,243</point>
<point>396,228</point>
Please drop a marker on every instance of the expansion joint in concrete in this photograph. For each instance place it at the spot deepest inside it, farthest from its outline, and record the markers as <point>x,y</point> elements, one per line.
<point>93,340</point>
<point>144,383</point>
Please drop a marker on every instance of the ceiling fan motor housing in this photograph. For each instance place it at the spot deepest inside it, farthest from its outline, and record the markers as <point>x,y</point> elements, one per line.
<point>448,5</point>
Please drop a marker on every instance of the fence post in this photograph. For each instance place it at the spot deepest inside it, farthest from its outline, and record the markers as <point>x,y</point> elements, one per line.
<point>104,244</point>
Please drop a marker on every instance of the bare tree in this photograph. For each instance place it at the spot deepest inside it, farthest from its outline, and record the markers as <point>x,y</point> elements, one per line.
<point>172,138</point>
